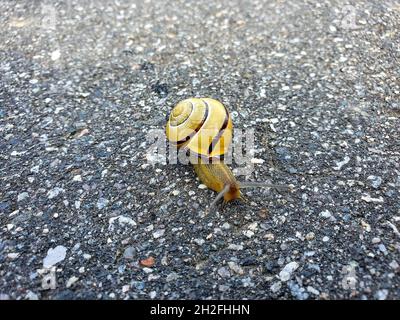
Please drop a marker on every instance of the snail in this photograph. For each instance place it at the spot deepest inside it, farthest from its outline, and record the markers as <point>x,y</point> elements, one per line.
<point>204,127</point>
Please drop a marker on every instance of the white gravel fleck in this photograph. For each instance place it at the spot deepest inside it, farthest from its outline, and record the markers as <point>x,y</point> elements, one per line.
<point>368,198</point>
<point>253,226</point>
<point>382,294</point>
<point>224,272</point>
<point>236,247</point>
<point>172,277</point>
<point>269,236</point>
<point>200,242</point>
<point>375,240</point>
<point>54,256</point>
<point>22,196</point>
<point>310,236</point>
<point>35,169</point>
<point>71,281</point>
<point>394,265</point>
<point>383,249</point>
<point>248,233</point>
<point>32,296</point>
<point>288,270</point>
<point>122,220</point>
<point>13,255</point>
<point>235,267</point>
<point>125,288</point>
<point>375,181</point>
<point>366,226</point>
<point>77,178</point>
<point>147,270</point>
<point>175,192</point>
<point>223,288</point>
<point>257,161</point>
<point>101,203</point>
<point>340,164</point>
<point>312,290</point>
<point>77,204</point>
<point>276,287</point>
<point>325,214</point>
<point>158,233</point>
<point>55,55</point>
<point>226,226</point>
<point>54,192</point>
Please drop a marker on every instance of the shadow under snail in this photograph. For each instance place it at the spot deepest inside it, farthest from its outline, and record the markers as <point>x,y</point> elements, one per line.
<point>204,127</point>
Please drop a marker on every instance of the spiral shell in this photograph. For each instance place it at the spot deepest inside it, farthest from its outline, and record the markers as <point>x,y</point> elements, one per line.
<point>202,126</point>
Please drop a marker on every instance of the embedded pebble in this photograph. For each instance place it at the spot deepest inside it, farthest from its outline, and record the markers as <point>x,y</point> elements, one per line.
<point>310,236</point>
<point>288,270</point>
<point>13,255</point>
<point>368,198</point>
<point>236,247</point>
<point>224,272</point>
<point>326,214</point>
<point>394,265</point>
<point>71,281</point>
<point>122,220</point>
<point>54,192</point>
<point>248,233</point>
<point>22,196</point>
<point>312,290</point>
<point>276,287</point>
<point>55,55</point>
<point>102,203</point>
<point>235,267</point>
<point>158,233</point>
<point>54,256</point>
<point>340,164</point>
<point>200,242</point>
<point>172,277</point>
<point>148,262</point>
<point>382,294</point>
<point>129,252</point>
<point>375,181</point>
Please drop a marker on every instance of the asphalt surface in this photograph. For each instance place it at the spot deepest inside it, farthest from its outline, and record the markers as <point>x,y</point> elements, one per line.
<point>83,215</point>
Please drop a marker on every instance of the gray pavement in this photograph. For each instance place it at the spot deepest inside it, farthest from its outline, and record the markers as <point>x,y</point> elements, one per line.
<point>82,213</point>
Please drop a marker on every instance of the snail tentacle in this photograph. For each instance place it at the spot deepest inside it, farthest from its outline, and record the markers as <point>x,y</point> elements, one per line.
<point>218,197</point>
<point>252,184</point>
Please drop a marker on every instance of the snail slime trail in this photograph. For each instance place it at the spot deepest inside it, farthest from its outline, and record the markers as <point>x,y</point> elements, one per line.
<point>204,127</point>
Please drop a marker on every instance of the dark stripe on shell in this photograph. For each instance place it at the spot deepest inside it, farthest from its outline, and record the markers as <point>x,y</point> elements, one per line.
<point>220,133</point>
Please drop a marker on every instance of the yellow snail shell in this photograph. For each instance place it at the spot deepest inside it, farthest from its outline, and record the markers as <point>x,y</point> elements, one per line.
<point>202,126</point>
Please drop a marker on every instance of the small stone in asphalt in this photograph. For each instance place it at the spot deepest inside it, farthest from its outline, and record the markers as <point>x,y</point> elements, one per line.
<point>54,256</point>
<point>288,270</point>
<point>375,181</point>
<point>129,253</point>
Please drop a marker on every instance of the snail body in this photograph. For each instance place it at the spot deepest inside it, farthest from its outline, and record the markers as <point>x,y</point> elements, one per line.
<point>217,176</point>
<point>204,128</point>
